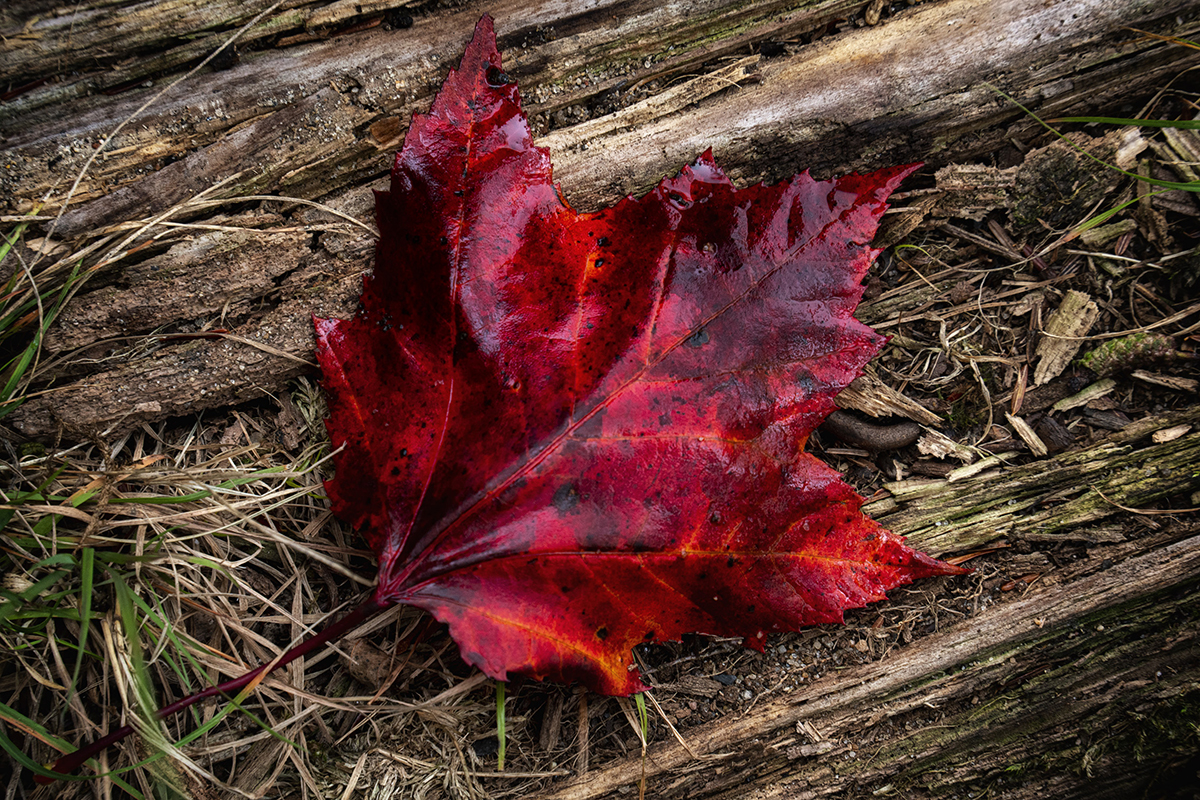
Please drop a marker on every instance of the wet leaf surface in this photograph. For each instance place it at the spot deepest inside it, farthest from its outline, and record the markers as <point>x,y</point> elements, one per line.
<point>566,434</point>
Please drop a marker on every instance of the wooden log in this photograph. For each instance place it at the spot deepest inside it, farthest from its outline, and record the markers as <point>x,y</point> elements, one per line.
<point>312,115</point>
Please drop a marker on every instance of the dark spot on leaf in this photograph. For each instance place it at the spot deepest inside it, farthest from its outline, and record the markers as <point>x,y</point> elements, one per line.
<point>602,241</point>
<point>602,634</point>
<point>697,339</point>
<point>565,498</point>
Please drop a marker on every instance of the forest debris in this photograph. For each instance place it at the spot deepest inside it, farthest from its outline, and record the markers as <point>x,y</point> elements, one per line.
<point>1108,420</point>
<point>1154,223</point>
<point>693,686</point>
<point>874,11</point>
<point>1176,382</point>
<point>1027,434</point>
<point>1062,335</point>
<point>913,488</point>
<point>1093,392</point>
<point>870,395</point>
<point>898,223</point>
<point>1103,234</point>
<point>1134,350</point>
<point>1187,145</point>
<point>344,11</point>
<point>972,191</point>
<point>661,105</point>
<point>1101,534</point>
<point>1058,437</point>
<point>939,445</point>
<point>1058,185</point>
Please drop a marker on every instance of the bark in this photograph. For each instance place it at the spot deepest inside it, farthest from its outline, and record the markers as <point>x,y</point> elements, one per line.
<point>321,93</point>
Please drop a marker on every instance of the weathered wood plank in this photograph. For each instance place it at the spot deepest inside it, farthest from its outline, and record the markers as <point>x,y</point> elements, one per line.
<point>317,121</point>
<point>1047,496</point>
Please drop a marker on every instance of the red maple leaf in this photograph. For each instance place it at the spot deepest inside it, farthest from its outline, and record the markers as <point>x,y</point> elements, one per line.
<point>567,434</point>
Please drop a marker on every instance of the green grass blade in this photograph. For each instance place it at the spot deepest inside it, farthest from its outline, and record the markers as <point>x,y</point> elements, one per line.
<point>643,717</point>
<point>500,735</point>
<point>87,571</point>
<point>9,241</point>
<point>126,610</point>
<point>18,366</point>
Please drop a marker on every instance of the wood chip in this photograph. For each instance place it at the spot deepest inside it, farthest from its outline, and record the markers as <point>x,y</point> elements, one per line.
<point>972,191</point>
<point>870,395</point>
<point>1102,235</point>
<point>908,489</point>
<point>1027,435</point>
<point>1081,398</point>
<point>1169,381</point>
<point>939,445</point>
<point>979,466</point>
<point>346,11</point>
<point>1062,335</point>
<point>1169,434</point>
